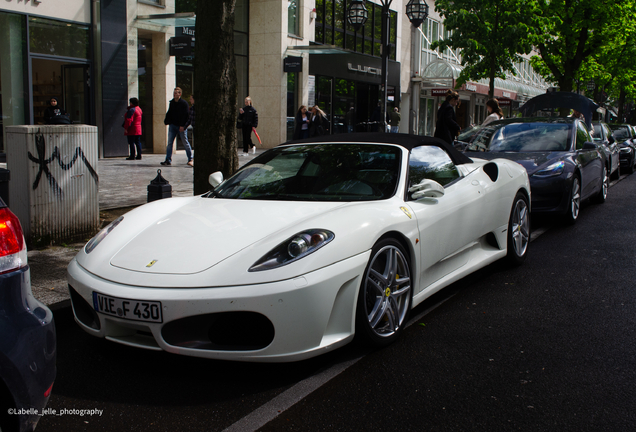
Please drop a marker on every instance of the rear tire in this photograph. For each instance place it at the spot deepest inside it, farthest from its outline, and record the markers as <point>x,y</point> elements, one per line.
<point>602,194</point>
<point>385,295</point>
<point>518,230</point>
<point>574,204</point>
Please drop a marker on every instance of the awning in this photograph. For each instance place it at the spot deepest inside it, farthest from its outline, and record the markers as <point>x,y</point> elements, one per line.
<point>316,49</point>
<point>182,19</point>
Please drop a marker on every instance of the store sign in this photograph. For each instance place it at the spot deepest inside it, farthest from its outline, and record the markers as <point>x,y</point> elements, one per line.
<point>505,102</point>
<point>506,94</point>
<point>365,69</point>
<point>293,64</point>
<point>181,46</point>
<point>471,87</point>
<point>438,92</point>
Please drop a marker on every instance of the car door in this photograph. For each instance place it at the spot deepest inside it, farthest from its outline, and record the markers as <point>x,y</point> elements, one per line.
<point>589,160</point>
<point>448,225</point>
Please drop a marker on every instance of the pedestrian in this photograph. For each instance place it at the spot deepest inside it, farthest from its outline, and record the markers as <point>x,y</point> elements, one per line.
<point>446,127</point>
<point>301,127</point>
<point>319,125</point>
<point>350,120</point>
<point>395,120</point>
<point>249,119</point>
<point>191,118</point>
<point>132,128</point>
<point>494,112</point>
<point>176,119</point>
<point>376,118</point>
<point>53,113</point>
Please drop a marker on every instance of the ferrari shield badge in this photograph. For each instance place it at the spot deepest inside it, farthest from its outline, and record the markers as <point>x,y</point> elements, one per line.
<point>407,212</point>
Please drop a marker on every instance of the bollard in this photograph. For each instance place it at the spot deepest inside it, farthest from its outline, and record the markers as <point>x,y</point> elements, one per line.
<point>159,188</point>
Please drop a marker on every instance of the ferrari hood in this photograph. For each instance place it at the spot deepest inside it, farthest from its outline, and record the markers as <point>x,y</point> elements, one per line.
<point>204,232</point>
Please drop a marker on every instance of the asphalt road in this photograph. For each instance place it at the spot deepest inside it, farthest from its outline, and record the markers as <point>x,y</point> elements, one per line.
<point>548,346</point>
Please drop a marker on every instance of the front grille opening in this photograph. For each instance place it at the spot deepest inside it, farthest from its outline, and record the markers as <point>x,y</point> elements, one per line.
<point>83,310</point>
<point>224,331</point>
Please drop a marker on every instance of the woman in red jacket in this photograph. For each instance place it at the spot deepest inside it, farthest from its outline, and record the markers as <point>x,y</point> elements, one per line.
<point>132,128</point>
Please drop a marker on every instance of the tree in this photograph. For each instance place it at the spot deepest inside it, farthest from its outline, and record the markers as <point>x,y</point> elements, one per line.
<point>216,90</point>
<point>490,33</point>
<point>569,32</point>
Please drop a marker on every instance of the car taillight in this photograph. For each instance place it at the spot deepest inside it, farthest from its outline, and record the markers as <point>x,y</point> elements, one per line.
<point>13,253</point>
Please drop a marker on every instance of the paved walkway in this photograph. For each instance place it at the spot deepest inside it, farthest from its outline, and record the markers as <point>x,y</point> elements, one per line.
<point>124,183</point>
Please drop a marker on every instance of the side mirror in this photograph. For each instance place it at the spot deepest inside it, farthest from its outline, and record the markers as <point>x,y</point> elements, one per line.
<point>215,178</point>
<point>589,146</point>
<point>427,188</point>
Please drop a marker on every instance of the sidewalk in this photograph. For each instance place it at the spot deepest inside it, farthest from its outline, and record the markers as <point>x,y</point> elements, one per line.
<point>122,184</point>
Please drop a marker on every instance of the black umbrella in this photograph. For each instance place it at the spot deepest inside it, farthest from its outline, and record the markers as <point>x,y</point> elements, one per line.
<point>569,100</point>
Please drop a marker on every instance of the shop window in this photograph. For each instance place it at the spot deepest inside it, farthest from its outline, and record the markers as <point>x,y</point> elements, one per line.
<point>293,18</point>
<point>58,38</point>
<point>13,54</point>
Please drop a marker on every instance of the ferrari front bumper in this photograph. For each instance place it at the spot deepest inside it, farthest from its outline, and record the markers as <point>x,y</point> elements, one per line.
<point>278,321</point>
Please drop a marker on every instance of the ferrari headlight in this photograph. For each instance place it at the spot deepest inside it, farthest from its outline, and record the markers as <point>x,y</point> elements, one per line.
<point>92,243</point>
<point>625,150</point>
<point>553,170</point>
<point>293,249</point>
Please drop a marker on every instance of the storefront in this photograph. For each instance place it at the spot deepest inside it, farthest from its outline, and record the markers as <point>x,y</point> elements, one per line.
<point>339,82</point>
<point>46,52</point>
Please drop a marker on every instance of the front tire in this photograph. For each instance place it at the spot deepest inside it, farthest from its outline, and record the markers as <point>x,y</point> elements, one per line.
<point>385,295</point>
<point>518,230</point>
<point>574,205</point>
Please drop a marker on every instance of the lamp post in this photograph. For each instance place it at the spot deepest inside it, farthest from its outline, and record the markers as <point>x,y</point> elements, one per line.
<point>357,15</point>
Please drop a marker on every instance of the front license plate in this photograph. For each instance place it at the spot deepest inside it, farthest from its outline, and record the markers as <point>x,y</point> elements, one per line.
<point>136,310</point>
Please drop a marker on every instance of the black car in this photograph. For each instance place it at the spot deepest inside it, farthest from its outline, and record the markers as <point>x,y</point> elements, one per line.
<point>565,166</point>
<point>624,136</point>
<point>607,144</point>
<point>27,335</point>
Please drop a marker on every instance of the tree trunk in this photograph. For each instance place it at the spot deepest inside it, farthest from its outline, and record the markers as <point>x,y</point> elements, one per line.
<point>621,106</point>
<point>215,90</point>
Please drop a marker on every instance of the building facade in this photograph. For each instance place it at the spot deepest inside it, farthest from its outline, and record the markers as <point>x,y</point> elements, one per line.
<point>94,55</point>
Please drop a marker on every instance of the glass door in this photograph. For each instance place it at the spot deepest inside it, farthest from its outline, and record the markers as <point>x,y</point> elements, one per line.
<point>76,89</point>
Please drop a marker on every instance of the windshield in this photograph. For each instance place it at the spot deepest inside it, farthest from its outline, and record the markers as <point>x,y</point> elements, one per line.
<point>325,172</point>
<point>522,137</point>
<point>598,132</point>
<point>620,132</point>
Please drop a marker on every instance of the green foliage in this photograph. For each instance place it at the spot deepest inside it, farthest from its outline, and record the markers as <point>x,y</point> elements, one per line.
<point>579,39</point>
<point>490,33</point>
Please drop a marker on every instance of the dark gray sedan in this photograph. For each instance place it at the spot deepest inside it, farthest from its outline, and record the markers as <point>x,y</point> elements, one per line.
<point>564,164</point>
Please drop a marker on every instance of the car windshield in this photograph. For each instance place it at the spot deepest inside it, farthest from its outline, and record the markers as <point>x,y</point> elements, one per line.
<point>620,132</point>
<point>522,137</point>
<point>598,132</point>
<point>318,172</point>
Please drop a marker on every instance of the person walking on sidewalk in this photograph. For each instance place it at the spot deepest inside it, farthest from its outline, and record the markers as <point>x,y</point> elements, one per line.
<point>249,119</point>
<point>176,119</point>
<point>395,120</point>
<point>191,119</point>
<point>132,128</point>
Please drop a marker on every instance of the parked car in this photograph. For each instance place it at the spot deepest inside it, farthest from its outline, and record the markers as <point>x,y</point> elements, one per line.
<point>607,144</point>
<point>308,244</point>
<point>27,335</point>
<point>565,166</point>
<point>624,136</point>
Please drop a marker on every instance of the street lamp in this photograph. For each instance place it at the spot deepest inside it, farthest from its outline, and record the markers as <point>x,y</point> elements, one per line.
<point>417,11</point>
<point>357,15</point>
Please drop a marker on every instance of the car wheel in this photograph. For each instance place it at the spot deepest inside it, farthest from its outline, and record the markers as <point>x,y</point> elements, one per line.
<point>602,194</point>
<point>385,295</point>
<point>574,205</point>
<point>519,230</point>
